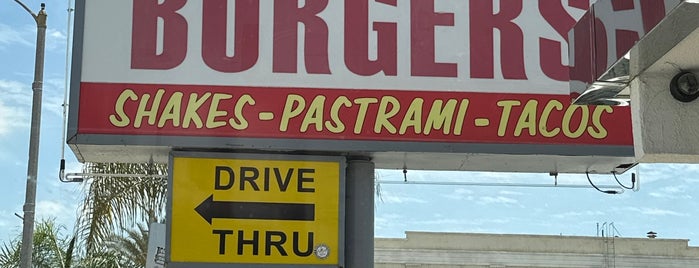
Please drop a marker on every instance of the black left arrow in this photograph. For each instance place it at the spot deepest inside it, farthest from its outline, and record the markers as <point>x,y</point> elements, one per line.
<point>210,209</point>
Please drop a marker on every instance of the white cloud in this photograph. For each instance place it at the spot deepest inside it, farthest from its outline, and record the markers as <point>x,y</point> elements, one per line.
<point>55,40</point>
<point>489,221</point>
<point>16,103</point>
<point>672,189</point>
<point>460,194</point>
<point>5,218</point>
<point>670,192</point>
<point>459,225</point>
<point>392,198</point>
<point>510,193</point>
<point>487,200</point>
<point>649,174</point>
<point>439,222</point>
<point>55,34</point>
<point>15,91</point>
<point>389,224</point>
<point>11,118</point>
<point>51,209</point>
<point>62,211</point>
<point>26,36</point>
<point>14,106</point>
<point>662,212</point>
<point>10,36</point>
<point>662,195</point>
<point>572,214</point>
<point>657,212</point>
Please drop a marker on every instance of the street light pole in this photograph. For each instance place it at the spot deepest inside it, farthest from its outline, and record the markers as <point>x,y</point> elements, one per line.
<point>32,167</point>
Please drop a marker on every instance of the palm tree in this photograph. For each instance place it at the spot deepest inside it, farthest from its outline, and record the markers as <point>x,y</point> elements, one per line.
<point>104,256</point>
<point>116,203</point>
<point>50,249</point>
<point>111,204</point>
<point>133,246</point>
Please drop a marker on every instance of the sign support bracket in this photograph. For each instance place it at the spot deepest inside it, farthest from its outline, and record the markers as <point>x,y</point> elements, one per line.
<point>359,214</point>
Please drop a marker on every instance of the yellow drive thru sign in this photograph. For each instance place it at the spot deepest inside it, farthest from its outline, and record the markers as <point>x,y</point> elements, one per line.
<point>252,209</point>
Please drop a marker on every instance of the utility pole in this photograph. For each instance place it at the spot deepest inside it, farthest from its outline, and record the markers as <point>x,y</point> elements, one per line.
<point>32,167</point>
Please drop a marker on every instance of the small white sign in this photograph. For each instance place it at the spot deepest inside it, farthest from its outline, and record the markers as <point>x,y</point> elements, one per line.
<point>156,246</point>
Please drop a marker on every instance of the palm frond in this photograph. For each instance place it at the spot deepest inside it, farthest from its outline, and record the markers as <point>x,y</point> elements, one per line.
<point>49,250</point>
<point>9,254</point>
<point>133,245</point>
<point>114,203</point>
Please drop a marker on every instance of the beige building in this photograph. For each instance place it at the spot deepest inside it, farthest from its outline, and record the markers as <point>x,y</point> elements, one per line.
<point>464,250</point>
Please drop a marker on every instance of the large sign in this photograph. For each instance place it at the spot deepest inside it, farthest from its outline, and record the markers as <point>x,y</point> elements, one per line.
<point>255,210</point>
<point>402,80</point>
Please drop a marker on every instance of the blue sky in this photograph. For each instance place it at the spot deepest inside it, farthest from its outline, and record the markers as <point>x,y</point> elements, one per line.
<point>665,204</point>
<point>17,49</point>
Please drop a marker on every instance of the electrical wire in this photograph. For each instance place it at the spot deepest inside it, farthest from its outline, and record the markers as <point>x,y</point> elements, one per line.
<point>587,174</point>
<point>633,181</point>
